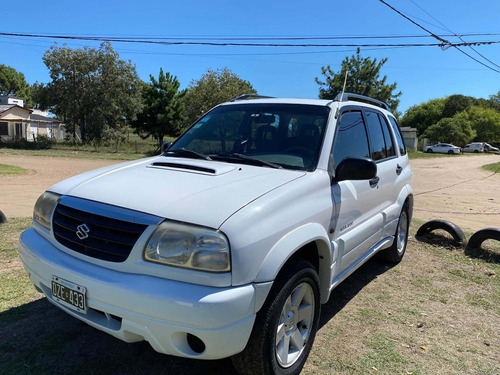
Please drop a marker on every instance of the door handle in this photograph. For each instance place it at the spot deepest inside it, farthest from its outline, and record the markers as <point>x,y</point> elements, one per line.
<point>399,169</point>
<point>374,181</point>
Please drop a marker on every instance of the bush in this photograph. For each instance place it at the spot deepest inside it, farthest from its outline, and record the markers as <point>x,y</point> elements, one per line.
<point>42,143</point>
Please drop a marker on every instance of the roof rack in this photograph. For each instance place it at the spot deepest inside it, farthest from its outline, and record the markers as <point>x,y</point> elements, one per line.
<point>249,96</point>
<point>360,98</point>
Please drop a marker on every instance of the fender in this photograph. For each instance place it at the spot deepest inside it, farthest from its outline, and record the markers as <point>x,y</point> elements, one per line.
<point>288,245</point>
<point>394,210</point>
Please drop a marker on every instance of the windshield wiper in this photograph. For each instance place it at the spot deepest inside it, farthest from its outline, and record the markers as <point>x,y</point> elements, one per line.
<point>250,160</point>
<point>188,153</point>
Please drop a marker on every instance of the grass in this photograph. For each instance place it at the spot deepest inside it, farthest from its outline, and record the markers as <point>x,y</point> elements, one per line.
<point>10,169</point>
<point>437,312</point>
<point>494,167</point>
<point>133,148</point>
<point>73,154</point>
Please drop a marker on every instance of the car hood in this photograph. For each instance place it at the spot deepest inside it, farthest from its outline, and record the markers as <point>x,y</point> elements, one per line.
<point>194,191</point>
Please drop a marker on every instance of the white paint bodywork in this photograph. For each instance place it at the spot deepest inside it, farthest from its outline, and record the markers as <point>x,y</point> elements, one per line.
<point>267,215</point>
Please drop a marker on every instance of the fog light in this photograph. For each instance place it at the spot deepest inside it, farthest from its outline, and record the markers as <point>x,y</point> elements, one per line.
<point>195,344</point>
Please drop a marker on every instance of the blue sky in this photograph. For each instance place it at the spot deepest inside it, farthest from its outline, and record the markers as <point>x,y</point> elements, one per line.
<point>422,73</point>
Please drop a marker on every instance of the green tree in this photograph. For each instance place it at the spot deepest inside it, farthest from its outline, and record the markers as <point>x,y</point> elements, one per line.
<point>13,83</point>
<point>92,88</point>
<point>363,79</point>
<point>485,122</point>
<point>213,88</point>
<point>494,101</point>
<point>163,111</point>
<point>457,130</point>
<point>457,103</point>
<point>423,115</point>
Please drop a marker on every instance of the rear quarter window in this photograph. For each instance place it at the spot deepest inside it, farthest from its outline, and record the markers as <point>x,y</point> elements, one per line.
<point>399,136</point>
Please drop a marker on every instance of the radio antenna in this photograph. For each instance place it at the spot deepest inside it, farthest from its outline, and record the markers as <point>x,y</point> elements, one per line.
<point>343,90</point>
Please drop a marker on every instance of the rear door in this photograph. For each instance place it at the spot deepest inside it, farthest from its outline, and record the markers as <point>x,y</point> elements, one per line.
<point>383,152</point>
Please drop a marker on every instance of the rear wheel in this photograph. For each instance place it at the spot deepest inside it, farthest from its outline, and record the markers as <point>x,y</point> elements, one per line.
<point>395,253</point>
<point>450,152</point>
<point>286,326</point>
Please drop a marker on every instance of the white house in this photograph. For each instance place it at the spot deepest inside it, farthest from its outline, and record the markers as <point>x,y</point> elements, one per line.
<point>17,121</point>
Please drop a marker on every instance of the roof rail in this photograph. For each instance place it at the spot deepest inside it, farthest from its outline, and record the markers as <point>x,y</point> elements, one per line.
<point>361,98</point>
<point>249,96</point>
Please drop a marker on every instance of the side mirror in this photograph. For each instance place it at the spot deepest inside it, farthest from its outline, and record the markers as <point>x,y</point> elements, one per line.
<point>356,169</point>
<point>166,146</point>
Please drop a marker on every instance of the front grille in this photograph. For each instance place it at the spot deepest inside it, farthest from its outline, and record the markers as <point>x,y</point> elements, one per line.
<point>108,239</point>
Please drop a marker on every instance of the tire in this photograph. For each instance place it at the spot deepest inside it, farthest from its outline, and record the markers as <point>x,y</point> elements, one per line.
<point>476,151</point>
<point>482,235</point>
<point>395,253</point>
<point>3,219</point>
<point>453,229</point>
<point>265,353</point>
<point>429,151</point>
<point>450,152</point>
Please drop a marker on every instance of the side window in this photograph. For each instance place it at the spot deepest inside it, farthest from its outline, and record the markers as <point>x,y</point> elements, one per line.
<point>397,133</point>
<point>389,143</point>
<point>351,139</point>
<point>376,136</point>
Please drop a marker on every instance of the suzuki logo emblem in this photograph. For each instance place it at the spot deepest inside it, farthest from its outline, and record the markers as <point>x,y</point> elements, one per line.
<point>82,231</point>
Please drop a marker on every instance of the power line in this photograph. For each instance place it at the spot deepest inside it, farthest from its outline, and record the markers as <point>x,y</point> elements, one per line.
<point>454,34</point>
<point>445,44</point>
<point>260,38</point>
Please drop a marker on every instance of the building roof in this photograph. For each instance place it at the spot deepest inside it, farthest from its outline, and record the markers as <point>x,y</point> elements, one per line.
<point>34,117</point>
<point>6,107</point>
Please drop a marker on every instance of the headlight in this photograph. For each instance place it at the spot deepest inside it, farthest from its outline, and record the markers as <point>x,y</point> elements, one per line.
<point>44,207</point>
<point>189,246</point>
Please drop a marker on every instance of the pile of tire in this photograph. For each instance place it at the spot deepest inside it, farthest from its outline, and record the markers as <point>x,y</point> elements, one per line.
<point>458,235</point>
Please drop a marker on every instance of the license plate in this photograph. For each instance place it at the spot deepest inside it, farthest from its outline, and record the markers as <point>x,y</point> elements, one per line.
<point>69,294</point>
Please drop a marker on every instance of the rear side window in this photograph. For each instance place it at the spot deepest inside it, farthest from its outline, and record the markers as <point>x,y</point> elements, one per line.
<point>389,143</point>
<point>397,133</point>
<point>379,150</point>
<point>351,139</point>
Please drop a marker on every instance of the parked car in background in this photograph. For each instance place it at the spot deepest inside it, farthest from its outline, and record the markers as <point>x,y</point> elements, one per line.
<point>474,147</point>
<point>443,148</point>
<point>490,148</point>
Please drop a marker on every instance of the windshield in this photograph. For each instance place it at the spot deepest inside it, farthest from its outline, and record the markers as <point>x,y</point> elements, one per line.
<point>284,135</point>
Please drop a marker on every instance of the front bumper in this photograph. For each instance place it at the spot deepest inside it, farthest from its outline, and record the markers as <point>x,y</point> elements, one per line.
<point>135,307</point>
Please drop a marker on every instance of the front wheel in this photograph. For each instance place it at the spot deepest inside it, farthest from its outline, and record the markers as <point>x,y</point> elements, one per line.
<point>429,151</point>
<point>286,326</point>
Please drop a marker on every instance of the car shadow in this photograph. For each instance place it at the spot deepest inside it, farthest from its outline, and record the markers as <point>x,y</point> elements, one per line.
<point>37,338</point>
<point>350,287</point>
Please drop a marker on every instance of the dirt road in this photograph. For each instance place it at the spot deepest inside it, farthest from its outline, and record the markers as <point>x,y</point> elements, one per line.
<point>455,188</point>
<point>18,193</point>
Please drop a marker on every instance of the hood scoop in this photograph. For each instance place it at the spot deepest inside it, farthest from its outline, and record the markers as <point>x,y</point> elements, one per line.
<point>200,167</point>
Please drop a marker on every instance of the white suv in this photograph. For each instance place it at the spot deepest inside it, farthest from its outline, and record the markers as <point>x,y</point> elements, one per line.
<point>229,242</point>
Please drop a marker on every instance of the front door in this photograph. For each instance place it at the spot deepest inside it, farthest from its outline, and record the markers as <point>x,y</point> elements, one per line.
<point>360,221</point>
